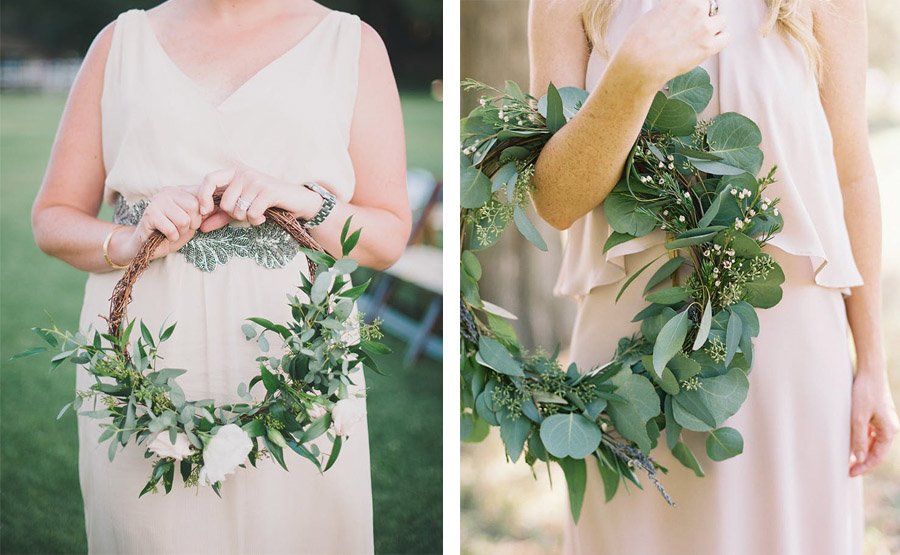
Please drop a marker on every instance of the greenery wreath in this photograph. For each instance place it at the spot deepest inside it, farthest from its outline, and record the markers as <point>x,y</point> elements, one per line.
<point>687,368</point>
<point>307,396</point>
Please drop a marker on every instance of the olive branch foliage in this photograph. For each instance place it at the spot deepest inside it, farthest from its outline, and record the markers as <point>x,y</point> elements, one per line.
<point>693,181</point>
<point>324,345</point>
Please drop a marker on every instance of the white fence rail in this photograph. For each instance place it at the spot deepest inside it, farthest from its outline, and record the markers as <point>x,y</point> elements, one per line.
<point>38,75</point>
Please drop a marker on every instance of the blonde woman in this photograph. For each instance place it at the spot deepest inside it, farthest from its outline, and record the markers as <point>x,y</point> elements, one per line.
<point>814,422</point>
<point>275,103</point>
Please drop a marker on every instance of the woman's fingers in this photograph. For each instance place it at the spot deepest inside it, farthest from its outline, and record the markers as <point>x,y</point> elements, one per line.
<point>189,202</point>
<point>859,437</point>
<point>217,219</point>
<point>883,430</point>
<point>256,212</point>
<point>211,182</point>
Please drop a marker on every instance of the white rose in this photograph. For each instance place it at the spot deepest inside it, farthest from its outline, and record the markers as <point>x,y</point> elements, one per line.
<point>225,451</point>
<point>346,413</point>
<point>316,411</point>
<point>162,446</point>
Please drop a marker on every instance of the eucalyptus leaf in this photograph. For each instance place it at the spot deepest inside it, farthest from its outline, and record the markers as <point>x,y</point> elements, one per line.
<point>724,443</point>
<point>570,435</point>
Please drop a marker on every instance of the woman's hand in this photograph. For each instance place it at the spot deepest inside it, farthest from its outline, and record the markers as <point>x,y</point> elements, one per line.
<point>874,422</point>
<point>257,192</point>
<point>671,39</point>
<point>174,212</point>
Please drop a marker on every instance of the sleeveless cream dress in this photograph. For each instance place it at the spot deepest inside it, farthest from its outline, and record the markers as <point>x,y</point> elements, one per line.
<point>291,120</point>
<point>789,493</point>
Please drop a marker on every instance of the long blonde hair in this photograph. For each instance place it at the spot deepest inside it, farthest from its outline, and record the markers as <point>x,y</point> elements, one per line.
<point>786,15</point>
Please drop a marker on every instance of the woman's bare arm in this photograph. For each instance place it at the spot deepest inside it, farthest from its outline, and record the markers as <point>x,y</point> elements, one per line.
<point>64,215</point>
<point>582,163</point>
<point>71,194</point>
<point>840,27</point>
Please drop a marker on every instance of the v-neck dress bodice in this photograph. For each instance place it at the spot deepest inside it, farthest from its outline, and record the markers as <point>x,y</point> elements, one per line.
<point>290,120</point>
<point>789,492</point>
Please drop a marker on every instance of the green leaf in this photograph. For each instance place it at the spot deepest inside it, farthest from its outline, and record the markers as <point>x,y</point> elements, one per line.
<point>503,176</point>
<point>670,339</point>
<point>724,443</point>
<point>254,428</point>
<point>669,296</point>
<point>275,437</point>
<point>615,238</point>
<point>671,116</point>
<point>695,236</point>
<point>527,229</point>
<point>766,293</point>
<point>475,188</point>
<point>732,336</point>
<point>664,378</point>
<point>717,399</point>
<point>471,265</point>
<point>703,330</point>
<point>555,116</point>
<point>610,474</point>
<point>335,451</point>
<point>30,352</point>
<point>575,471</point>
<point>624,216</point>
<point>472,428</point>
<point>249,331</point>
<point>493,354</point>
<point>664,272</point>
<point>514,433</point>
<point>693,88</point>
<point>570,435</point>
<point>639,403</point>
<point>735,138</point>
<point>633,277</point>
<point>687,458</point>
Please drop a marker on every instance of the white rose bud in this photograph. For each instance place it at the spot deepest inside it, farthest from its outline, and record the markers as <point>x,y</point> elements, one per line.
<point>346,413</point>
<point>163,447</point>
<point>225,451</point>
<point>316,411</point>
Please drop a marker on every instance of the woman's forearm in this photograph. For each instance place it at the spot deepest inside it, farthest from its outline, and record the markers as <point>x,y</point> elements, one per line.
<point>862,210</point>
<point>583,161</point>
<point>383,238</point>
<point>77,238</point>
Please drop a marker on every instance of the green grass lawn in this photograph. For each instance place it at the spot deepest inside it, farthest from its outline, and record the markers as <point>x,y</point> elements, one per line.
<point>40,500</point>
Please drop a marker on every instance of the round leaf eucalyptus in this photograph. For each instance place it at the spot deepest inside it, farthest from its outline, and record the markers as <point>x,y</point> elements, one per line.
<point>687,368</point>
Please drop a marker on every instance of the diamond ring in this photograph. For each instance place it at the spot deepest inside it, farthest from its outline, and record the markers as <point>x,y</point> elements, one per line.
<point>713,8</point>
<point>242,204</point>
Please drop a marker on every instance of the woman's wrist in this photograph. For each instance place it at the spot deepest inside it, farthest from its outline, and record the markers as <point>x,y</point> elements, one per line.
<point>308,205</point>
<point>121,246</point>
<point>633,77</point>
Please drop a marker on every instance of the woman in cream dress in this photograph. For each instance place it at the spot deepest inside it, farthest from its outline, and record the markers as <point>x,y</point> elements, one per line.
<point>810,425</point>
<point>277,103</point>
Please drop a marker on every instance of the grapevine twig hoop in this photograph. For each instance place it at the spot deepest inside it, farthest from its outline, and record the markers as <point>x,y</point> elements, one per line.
<point>121,295</point>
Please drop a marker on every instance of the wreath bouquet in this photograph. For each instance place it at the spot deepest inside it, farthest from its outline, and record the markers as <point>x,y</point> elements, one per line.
<point>306,405</point>
<point>687,368</point>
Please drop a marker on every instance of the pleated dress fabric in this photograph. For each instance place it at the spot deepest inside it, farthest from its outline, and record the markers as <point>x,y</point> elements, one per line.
<point>290,120</point>
<point>789,493</point>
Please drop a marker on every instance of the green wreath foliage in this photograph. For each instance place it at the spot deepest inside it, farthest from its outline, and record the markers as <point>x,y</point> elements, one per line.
<point>687,368</point>
<point>305,381</point>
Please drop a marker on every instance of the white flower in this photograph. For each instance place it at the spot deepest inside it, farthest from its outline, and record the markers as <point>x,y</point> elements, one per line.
<point>346,413</point>
<point>316,411</point>
<point>670,157</point>
<point>733,192</point>
<point>738,224</point>
<point>681,218</point>
<point>225,451</point>
<point>162,446</point>
<point>687,194</point>
<point>671,166</point>
<point>775,211</point>
<point>764,206</point>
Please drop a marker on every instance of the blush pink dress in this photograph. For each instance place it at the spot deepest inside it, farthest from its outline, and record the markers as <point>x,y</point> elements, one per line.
<point>789,493</point>
<point>291,120</point>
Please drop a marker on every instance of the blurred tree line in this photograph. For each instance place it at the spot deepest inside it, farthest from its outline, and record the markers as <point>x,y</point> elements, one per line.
<point>65,28</point>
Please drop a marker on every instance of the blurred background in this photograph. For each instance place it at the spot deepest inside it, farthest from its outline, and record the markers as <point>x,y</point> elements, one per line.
<point>41,44</point>
<point>507,509</point>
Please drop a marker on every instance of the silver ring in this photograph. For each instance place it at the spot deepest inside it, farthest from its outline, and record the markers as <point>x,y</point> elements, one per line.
<point>713,8</point>
<point>242,204</point>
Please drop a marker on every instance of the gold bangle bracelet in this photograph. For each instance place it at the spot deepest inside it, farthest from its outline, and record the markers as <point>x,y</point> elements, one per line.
<point>106,241</point>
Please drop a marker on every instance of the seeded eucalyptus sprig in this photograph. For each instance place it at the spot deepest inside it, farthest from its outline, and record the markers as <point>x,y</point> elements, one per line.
<point>304,379</point>
<point>693,181</point>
